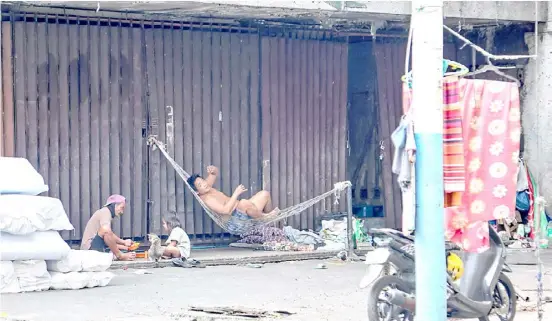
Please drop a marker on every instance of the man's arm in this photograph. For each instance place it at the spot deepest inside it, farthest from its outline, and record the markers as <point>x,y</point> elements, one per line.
<point>105,223</point>
<point>107,227</point>
<point>228,207</point>
<point>212,175</point>
<point>119,240</point>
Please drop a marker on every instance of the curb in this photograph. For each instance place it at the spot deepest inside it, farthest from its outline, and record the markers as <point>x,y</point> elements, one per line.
<point>275,258</point>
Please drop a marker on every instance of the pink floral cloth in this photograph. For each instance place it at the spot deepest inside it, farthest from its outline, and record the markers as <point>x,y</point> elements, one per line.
<point>491,131</point>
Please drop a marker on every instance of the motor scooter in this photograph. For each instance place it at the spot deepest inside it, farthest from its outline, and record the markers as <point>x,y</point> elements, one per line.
<point>482,291</point>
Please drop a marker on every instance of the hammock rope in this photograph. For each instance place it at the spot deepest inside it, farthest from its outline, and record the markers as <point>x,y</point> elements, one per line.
<point>265,219</point>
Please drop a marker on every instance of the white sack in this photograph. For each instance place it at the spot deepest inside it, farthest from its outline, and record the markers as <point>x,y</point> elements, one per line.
<point>32,275</point>
<point>8,280</point>
<point>46,245</point>
<point>71,263</point>
<point>24,214</point>
<point>18,176</point>
<point>94,261</point>
<point>99,279</point>
<point>69,281</point>
<point>79,260</point>
<point>334,231</point>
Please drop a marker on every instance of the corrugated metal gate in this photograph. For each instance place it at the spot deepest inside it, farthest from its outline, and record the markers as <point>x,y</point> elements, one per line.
<point>78,103</point>
<point>268,109</point>
<point>209,78</point>
<point>304,109</point>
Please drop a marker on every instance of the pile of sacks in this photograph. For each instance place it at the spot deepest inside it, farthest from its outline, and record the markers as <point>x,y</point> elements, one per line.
<point>33,255</point>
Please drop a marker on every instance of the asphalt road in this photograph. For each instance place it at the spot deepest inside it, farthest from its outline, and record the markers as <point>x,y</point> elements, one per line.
<point>167,294</point>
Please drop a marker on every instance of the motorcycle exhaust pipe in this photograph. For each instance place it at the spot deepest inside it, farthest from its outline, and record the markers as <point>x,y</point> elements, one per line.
<point>401,299</point>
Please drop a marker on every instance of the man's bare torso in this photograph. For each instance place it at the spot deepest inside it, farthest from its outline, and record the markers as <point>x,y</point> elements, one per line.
<point>216,196</point>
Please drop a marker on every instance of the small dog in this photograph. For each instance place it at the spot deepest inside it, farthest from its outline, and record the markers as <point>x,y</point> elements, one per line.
<point>156,250</point>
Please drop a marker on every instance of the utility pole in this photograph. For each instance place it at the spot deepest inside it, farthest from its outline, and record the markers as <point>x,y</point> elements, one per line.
<point>427,104</point>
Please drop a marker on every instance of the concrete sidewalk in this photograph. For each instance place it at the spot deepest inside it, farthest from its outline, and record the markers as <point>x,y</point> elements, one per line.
<point>233,256</point>
<point>238,256</point>
<point>300,288</point>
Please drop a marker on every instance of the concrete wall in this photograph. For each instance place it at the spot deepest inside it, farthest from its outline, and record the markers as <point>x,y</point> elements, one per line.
<point>537,115</point>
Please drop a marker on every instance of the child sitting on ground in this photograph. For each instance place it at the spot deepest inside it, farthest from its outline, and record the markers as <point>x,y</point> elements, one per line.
<point>178,243</point>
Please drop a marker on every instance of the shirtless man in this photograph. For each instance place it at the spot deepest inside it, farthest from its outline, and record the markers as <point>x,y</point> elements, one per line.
<point>231,207</point>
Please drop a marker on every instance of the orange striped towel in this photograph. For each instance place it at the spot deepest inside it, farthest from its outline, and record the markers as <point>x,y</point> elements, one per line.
<point>453,142</point>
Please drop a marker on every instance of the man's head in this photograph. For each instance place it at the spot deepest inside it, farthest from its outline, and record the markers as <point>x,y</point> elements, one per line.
<point>198,184</point>
<point>119,203</point>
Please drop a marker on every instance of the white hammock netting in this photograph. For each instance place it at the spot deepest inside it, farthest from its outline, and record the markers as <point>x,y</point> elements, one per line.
<point>245,225</point>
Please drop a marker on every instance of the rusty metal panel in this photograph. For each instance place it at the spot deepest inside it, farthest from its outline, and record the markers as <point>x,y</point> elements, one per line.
<point>8,120</point>
<point>76,119</point>
<point>210,80</point>
<point>303,141</point>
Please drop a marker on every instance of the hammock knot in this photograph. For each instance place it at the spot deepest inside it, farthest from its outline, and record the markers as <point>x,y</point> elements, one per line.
<point>338,188</point>
<point>153,142</point>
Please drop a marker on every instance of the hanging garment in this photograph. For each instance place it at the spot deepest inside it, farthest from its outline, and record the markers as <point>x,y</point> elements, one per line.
<point>522,181</point>
<point>491,129</point>
<point>523,203</point>
<point>531,212</point>
<point>403,165</point>
<point>453,139</point>
<point>403,141</point>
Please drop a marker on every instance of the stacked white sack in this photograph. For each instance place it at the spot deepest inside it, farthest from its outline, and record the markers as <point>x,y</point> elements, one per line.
<point>32,275</point>
<point>29,226</point>
<point>47,245</point>
<point>80,280</point>
<point>78,260</point>
<point>25,214</point>
<point>8,279</point>
<point>18,176</point>
<point>80,269</point>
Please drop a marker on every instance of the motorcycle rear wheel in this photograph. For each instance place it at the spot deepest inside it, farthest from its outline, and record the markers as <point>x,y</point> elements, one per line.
<point>512,299</point>
<point>374,308</point>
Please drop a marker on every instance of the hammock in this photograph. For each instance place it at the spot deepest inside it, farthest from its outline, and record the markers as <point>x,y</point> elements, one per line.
<point>246,225</point>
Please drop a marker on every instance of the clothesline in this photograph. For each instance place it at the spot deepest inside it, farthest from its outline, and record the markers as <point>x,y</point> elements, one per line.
<point>484,52</point>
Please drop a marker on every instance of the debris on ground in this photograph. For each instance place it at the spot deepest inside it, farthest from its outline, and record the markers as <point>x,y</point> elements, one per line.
<point>241,312</point>
<point>142,272</point>
<point>254,265</point>
<point>321,266</point>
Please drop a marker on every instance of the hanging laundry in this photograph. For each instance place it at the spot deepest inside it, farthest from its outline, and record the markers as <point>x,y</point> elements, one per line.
<point>453,138</point>
<point>531,212</point>
<point>522,181</point>
<point>453,141</point>
<point>403,164</point>
<point>453,152</point>
<point>491,129</point>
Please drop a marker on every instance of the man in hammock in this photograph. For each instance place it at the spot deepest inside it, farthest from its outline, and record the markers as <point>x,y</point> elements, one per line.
<point>258,205</point>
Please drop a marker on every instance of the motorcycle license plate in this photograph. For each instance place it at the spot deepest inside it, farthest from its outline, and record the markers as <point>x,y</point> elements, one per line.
<point>373,272</point>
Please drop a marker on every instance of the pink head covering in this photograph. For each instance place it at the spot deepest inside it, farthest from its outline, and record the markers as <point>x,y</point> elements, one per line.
<point>115,198</point>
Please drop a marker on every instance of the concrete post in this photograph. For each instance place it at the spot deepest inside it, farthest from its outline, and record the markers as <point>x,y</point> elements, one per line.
<point>536,104</point>
<point>350,228</point>
<point>427,104</point>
